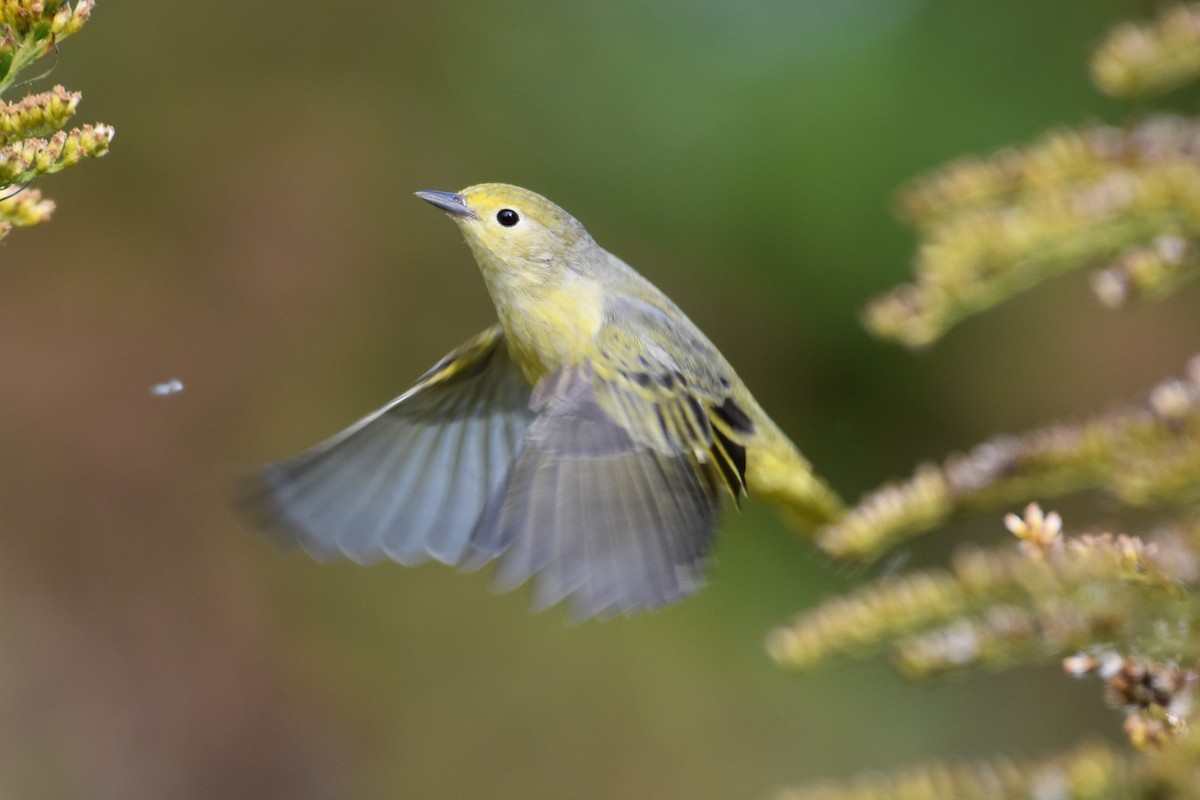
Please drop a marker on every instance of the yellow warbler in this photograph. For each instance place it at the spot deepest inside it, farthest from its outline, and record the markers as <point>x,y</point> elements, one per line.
<point>586,439</point>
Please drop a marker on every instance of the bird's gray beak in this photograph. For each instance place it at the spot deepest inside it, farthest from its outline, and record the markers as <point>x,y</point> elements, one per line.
<point>453,204</point>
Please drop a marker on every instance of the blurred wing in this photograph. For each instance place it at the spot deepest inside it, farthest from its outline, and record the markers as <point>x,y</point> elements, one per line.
<point>597,516</point>
<point>409,481</point>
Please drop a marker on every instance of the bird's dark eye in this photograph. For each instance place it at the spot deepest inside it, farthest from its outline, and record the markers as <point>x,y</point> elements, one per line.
<point>507,217</point>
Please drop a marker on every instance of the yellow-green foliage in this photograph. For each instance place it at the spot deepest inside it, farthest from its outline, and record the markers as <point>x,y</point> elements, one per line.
<point>32,140</point>
<point>1121,608</point>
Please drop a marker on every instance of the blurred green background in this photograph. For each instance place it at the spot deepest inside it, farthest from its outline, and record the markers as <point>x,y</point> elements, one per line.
<point>253,233</point>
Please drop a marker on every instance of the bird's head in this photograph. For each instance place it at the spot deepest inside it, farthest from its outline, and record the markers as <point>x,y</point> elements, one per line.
<point>513,230</point>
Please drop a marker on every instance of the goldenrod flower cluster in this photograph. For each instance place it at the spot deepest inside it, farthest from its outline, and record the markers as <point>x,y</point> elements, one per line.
<point>1138,59</point>
<point>1091,771</point>
<point>32,140</point>
<point>1147,454</point>
<point>1117,606</point>
<point>26,208</point>
<point>44,18</point>
<point>1125,199</point>
<point>1152,271</point>
<point>37,114</point>
<point>993,607</point>
<point>995,226</point>
<point>29,158</point>
<point>1127,196</point>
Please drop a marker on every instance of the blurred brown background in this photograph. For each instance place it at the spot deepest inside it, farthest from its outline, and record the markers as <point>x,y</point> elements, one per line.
<point>253,233</point>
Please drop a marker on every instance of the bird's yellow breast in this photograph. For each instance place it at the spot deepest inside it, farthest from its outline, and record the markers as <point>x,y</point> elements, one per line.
<point>554,326</point>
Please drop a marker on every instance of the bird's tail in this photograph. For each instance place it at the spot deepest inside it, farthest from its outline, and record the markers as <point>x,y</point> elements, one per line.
<point>778,473</point>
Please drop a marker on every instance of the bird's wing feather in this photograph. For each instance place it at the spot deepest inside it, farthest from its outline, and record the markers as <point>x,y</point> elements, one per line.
<point>670,389</point>
<point>410,480</point>
<point>597,516</point>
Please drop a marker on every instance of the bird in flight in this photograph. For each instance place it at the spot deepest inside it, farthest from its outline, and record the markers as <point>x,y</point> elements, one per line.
<point>585,441</point>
